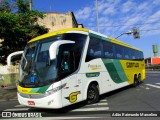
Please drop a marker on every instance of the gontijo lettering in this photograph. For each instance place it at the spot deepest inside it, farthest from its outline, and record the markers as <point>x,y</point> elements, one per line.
<point>132,64</point>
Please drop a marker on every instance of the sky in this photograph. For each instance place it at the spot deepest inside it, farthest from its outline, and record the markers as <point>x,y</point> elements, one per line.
<point>115,17</point>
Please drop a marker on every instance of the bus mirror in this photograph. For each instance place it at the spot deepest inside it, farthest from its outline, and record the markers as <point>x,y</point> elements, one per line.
<point>54,47</point>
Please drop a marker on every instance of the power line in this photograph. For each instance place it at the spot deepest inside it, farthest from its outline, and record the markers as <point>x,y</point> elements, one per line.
<point>124,25</point>
<point>149,30</point>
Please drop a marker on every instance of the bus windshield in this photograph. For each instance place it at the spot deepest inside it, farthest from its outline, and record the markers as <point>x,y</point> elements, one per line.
<point>36,67</point>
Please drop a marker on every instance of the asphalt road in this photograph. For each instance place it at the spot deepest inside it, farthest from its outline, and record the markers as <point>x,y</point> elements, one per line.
<point>142,100</point>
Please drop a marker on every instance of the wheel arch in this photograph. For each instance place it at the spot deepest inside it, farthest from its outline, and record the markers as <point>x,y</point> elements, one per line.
<point>87,86</point>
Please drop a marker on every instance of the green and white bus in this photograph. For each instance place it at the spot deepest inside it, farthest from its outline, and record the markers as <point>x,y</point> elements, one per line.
<point>64,67</point>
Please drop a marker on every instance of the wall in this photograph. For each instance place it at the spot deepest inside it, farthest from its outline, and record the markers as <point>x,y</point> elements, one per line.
<point>56,21</point>
<point>8,75</point>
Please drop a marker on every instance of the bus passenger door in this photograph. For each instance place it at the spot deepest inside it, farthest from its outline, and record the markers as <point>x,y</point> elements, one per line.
<point>66,68</point>
<point>69,93</point>
<point>72,92</point>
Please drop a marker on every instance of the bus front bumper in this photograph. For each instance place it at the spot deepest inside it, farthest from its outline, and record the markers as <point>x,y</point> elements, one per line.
<point>51,101</point>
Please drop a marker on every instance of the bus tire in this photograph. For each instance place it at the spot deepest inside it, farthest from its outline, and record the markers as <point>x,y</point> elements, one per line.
<point>136,82</point>
<point>139,78</point>
<point>92,94</point>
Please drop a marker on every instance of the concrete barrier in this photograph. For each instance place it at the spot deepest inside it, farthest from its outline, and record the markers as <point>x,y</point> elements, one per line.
<point>9,76</point>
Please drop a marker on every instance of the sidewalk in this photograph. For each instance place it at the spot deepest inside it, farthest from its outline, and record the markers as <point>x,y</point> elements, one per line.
<point>8,94</point>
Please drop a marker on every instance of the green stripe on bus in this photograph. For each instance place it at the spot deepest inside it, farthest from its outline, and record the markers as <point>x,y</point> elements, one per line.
<point>34,90</point>
<point>93,74</point>
<point>120,70</point>
<point>100,37</point>
<point>43,89</point>
<point>115,70</point>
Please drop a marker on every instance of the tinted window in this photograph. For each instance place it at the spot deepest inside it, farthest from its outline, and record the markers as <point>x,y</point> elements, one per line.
<point>69,55</point>
<point>94,49</point>
<point>118,51</point>
<point>127,53</point>
<point>99,48</point>
<point>108,48</point>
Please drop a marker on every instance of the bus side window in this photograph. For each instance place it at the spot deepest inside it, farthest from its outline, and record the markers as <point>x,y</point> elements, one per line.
<point>108,49</point>
<point>127,53</point>
<point>94,49</point>
<point>118,51</point>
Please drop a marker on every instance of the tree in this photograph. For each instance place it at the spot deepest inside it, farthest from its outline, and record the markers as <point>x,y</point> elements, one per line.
<point>18,24</point>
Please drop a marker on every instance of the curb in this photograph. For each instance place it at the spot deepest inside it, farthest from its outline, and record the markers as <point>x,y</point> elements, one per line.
<point>8,87</point>
<point>9,100</point>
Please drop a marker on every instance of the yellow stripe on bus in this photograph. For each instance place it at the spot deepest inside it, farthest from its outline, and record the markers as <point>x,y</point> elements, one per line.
<point>25,90</point>
<point>57,33</point>
<point>122,43</point>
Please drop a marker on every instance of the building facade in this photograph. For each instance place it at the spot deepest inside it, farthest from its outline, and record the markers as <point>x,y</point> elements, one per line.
<point>57,21</point>
<point>152,61</point>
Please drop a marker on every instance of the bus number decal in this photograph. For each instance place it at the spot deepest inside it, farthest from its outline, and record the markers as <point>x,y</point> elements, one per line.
<point>73,96</point>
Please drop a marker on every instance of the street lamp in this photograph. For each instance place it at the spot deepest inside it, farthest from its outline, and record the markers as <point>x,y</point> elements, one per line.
<point>128,33</point>
<point>135,33</point>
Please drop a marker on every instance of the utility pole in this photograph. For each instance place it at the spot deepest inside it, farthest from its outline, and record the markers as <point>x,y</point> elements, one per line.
<point>97,16</point>
<point>30,4</point>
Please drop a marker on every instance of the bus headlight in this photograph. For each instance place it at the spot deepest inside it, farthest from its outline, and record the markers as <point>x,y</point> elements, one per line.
<point>54,90</point>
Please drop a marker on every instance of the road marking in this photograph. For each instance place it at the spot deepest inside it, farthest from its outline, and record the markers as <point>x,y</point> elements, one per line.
<point>153,85</point>
<point>100,106</point>
<point>158,83</point>
<point>20,106</point>
<point>17,109</point>
<point>104,100</point>
<point>145,87</point>
<point>91,109</point>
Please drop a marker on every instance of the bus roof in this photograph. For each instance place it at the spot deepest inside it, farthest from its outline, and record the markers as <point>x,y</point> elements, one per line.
<point>107,38</point>
<point>57,33</point>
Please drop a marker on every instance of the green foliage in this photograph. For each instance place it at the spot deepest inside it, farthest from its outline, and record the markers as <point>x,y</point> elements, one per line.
<point>5,6</point>
<point>18,25</point>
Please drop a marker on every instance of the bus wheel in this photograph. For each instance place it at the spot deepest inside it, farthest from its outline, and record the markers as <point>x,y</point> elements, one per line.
<point>136,81</point>
<point>139,78</point>
<point>92,94</point>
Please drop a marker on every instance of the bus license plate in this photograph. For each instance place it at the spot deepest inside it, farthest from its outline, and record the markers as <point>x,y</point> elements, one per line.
<point>31,103</point>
